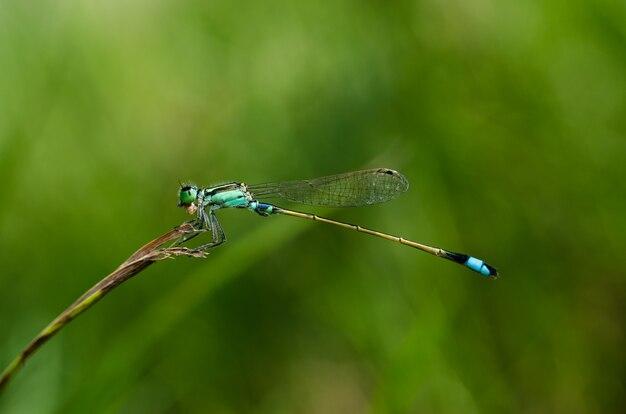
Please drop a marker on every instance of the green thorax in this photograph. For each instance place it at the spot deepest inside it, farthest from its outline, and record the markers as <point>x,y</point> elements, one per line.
<point>227,195</point>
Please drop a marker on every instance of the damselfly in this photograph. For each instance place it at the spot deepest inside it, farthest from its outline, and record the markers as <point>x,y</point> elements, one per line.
<point>353,189</point>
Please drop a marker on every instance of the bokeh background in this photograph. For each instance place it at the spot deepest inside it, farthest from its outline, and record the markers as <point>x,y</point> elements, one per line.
<point>508,118</point>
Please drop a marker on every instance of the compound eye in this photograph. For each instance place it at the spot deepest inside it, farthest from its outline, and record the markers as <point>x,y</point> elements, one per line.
<point>187,196</point>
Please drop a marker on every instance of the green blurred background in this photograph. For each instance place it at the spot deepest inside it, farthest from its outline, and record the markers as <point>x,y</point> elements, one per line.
<point>508,118</point>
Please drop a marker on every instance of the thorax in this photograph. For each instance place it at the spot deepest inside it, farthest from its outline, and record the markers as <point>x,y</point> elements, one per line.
<point>226,196</point>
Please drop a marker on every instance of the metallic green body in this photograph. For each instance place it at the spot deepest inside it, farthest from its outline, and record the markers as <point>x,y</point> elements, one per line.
<point>354,189</point>
<point>229,198</point>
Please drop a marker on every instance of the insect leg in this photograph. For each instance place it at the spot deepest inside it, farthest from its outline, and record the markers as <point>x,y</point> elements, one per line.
<point>216,233</point>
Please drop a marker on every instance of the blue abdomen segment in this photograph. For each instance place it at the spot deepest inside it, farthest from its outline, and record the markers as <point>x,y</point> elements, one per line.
<point>479,266</point>
<point>471,262</point>
<point>262,209</point>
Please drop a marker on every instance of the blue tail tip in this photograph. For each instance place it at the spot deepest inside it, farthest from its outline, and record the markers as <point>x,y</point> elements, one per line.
<point>481,267</point>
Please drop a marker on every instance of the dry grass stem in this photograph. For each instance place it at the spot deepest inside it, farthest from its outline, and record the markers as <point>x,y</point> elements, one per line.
<point>148,254</point>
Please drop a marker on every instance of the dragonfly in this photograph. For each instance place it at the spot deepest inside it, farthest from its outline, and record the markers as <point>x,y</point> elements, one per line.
<point>352,189</point>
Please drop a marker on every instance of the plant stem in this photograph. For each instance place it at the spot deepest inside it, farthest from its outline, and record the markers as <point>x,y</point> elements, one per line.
<point>138,261</point>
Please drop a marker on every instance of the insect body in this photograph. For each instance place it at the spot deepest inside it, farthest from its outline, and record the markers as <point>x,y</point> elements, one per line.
<point>353,189</point>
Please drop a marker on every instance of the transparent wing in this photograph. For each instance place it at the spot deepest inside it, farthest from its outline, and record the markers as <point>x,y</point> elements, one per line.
<point>353,189</point>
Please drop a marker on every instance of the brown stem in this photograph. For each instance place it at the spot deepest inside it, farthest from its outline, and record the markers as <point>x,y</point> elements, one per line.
<point>138,261</point>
